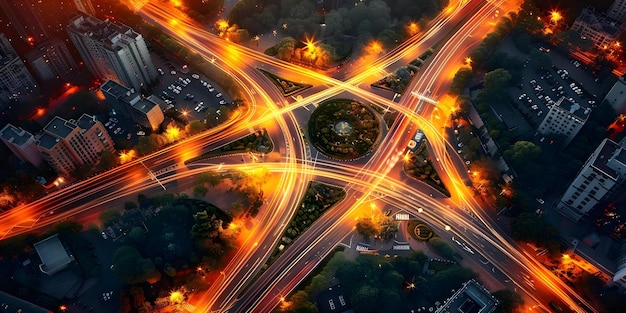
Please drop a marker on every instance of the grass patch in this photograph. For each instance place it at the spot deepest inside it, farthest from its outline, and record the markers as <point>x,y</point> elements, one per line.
<point>420,166</point>
<point>287,87</point>
<point>258,142</point>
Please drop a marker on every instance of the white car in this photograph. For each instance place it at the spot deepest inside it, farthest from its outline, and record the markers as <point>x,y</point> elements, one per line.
<point>219,94</point>
<point>173,72</point>
<point>141,133</point>
<point>195,76</point>
<point>222,101</point>
<point>104,235</point>
<point>211,89</point>
<point>540,201</point>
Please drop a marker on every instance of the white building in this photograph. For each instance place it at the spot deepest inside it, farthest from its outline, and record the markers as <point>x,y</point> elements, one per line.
<point>66,145</point>
<point>125,101</point>
<point>112,50</point>
<point>564,118</point>
<point>597,27</point>
<point>603,171</point>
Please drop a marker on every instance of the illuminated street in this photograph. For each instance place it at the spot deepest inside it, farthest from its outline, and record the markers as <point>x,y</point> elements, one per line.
<point>375,178</point>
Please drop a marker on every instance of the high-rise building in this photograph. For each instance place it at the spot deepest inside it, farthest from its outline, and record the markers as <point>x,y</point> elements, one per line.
<point>24,19</point>
<point>51,59</point>
<point>620,274</point>
<point>22,143</point>
<point>15,79</point>
<point>599,176</point>
<point>112,50</point>
<point>617,11</point>
<point>68,144</point>
<point>125,101</point>
<point>564,118</point>
<point>84,6</point>
<point>597,27</point>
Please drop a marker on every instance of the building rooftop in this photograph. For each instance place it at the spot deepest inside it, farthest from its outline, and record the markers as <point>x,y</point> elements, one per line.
<point>42,48</point>
<point>609,149</point>
<point>144,105</point>
<point>12,304</point>
<point>47,141</point>
<point>471,298</point>
<point>60,127</point>
<point>15,135</point>
<point>573,108</point>
<point>86,121</point>
<point>109,33</point>
<point>53,255</point>
<point>117,90</point>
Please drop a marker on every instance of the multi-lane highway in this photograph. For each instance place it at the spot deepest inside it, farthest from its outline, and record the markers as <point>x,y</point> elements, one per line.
<point>453,33</point>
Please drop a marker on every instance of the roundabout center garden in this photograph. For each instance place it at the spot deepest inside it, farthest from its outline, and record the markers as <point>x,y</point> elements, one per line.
<point>344,129</point>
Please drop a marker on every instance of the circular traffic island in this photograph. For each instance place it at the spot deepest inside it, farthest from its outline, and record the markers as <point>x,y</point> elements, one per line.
<point>344,129</point>
<point>419,231</point>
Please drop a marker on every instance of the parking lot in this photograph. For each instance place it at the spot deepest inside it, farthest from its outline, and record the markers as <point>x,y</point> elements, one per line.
<point>190,93</point>
<point>541,91</point>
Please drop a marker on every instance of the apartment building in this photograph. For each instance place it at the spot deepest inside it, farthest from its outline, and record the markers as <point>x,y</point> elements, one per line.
<point>126,102</point>
<point>22,143</point>
<point>598,27</point>
<point>599,176</point>
<point>112,50</point>
<point>68,144</point>
<point>564,118</point>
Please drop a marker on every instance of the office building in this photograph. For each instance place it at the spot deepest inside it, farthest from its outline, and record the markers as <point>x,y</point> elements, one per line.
<point>472,297</point>
<point>50,60</point>
<point>599,176</point>
<point>126,102</point>
<point>564,118</point>
<point>84,6</point>
<point>617,95</point>
<point>66,145</point>
<point>112,50</point>
<point>15,79</point>
<point>22,143</point>
<point>23,17</point>
<point>597,27</point>
<point>617,11</point>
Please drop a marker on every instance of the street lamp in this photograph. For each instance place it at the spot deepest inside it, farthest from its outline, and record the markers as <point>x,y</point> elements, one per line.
<point>555,17</point>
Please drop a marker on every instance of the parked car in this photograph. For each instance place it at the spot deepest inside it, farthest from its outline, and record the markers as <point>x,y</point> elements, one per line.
<point>219,94</point>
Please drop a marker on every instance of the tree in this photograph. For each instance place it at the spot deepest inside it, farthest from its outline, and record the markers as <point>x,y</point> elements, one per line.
<point>442,247</point>
<point>444,281</point>
<point>131,268</point>
<point>335,24</point>
<point>107,161</point>
<point>496,83</point>
<point>364,299</point>
<point>539,60</point>
<point>366,227</point>
<point>137,235</point>
<point>195,127</point>
<point>388,228</point>
<point>509,301</point>
<point>523,152</point>
<point>205,226</point>
<point>109,217</point>
<point>461,79</point>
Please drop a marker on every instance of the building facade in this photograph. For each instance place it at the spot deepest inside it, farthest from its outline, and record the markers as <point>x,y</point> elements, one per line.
<point>22,143</point>
<point>50,60</point>
<point>617,11</point>
<point>620,274</point>
<point>15,79</point>
<point>66,145</point>
<point>564,118</point>
<point>112,50</point>
<point>84,6</point>
<point>597,27</point>
<point>125,101</point>
<point>24,19</point>
<point>599,176</point>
